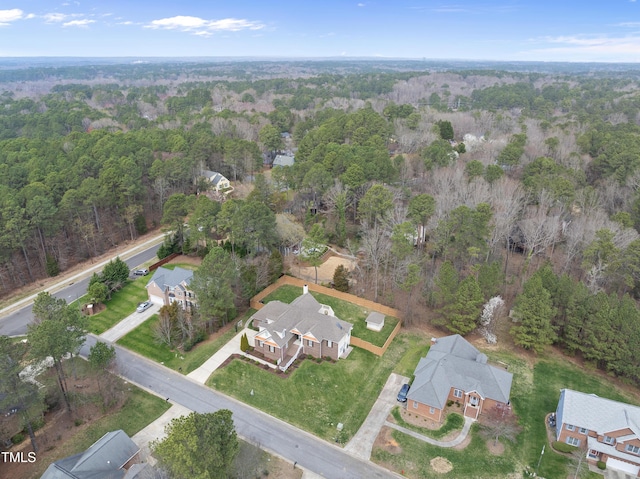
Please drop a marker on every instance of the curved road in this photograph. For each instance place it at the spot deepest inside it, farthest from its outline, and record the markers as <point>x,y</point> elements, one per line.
<point>14,323</point>
<point>307,450</point>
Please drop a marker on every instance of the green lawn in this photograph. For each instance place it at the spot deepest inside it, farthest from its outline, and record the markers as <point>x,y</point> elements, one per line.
<point>173,266</point>
<point>344,310</point>
<point>474,461</point>
<point>122,304</point>
<point>315,397</point>
<point>142,341</point>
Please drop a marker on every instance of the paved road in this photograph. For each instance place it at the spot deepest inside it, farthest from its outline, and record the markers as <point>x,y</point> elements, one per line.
<point>14,322</point>
<point>289,442</point>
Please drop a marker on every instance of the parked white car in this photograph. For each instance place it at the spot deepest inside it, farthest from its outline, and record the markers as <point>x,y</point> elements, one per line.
<point>143,306</point>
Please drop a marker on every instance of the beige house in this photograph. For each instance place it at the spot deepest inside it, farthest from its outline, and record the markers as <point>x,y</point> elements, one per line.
<point>167,286</point>
<point>217,180</point>
<point>304,326</point>
<point>453,370</point>
<point>609,430</point>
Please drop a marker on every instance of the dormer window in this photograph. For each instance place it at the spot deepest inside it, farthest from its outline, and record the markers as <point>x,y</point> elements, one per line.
<point>632,449</point>
<point>609,440</point>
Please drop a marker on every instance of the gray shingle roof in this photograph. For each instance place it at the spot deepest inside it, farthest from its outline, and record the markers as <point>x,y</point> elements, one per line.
<point>597,414</point>
<point>283,160</point>
<point>454,363</point>
<point>303,315</point>
<point>375,318</point>
<point>166,278</point>
<point>103,460</point>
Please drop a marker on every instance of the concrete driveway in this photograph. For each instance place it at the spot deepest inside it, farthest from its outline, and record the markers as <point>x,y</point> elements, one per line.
<point>361,444</point>
<point>129,323</point>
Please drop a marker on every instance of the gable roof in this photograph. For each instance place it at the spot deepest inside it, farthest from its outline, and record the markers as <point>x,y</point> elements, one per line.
<point>375,318</point>
<point>303,315</point>
<point>103,460</point>
<point>213,176</point>
<point>166,278</point>
<point>597,414</point>
<point>452,362</point>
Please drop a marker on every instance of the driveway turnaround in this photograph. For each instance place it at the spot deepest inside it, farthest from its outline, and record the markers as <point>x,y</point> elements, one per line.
<point>129,323</point>
<point>454,442</point>
<point>361,444</point>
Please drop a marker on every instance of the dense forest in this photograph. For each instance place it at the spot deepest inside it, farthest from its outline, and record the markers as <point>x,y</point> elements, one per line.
<point>451,183</point>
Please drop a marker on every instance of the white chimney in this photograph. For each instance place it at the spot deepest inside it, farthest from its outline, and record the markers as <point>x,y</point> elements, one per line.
<point>305,289</point>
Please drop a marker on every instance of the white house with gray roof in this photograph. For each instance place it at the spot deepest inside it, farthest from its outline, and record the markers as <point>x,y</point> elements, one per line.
<point>610,430</point>
<point>304,326</point>
<point>170,285</point>
<point>453,370</point>
<point>218,181</point>
<point>113,456</point>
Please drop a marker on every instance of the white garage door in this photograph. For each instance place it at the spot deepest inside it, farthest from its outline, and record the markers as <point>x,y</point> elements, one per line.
<point>623,466</point>
<point>156,299</point>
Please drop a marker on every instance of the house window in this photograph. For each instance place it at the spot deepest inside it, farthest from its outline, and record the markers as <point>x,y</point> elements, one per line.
<point>415,404</point>
<point>632,449</point>
<point>609,440</point>
<point>582,430</point>
<point>310,343</point>
<point>574,441</point>
<point>593,454</point>
<point>432,410</point>
<point>261,344</point>
<point>272,349</point>
<point>570,427</point>
<point>457,393</point>
<point>329,344</point>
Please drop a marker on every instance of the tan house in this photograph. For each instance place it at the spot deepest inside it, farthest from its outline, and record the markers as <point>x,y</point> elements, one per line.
<point>453,370</point>
<point>304,326</point>
<point>113,456</point>
<point>167,286</point>
<point>609,430</point>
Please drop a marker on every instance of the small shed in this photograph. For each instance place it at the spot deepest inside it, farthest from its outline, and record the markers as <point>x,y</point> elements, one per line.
<point>375,321</point>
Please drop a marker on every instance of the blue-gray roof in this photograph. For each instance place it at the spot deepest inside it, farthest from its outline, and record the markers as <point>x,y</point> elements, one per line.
<point>597,414</point>
<point>103,460</point>
<point>167,278</point>
<point>454,363</point>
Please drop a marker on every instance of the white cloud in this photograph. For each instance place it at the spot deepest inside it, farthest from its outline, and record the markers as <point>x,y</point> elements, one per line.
<point>79,23</point>
<point>591,47</point>
<point>202,27</point>
<point>8,16</point>
<point>55,17</point>
<point>361,4</point>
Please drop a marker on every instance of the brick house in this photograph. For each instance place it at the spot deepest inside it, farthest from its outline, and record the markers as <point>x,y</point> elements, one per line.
<point>453,370</point>
<point>167,286</point>
<point>304,326</point>
<point>609,430</point>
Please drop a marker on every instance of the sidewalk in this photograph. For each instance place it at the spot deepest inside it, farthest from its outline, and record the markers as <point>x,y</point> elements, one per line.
<point>361,444</point>
<point>454,442</point>
<point>129,323</point>
<point>232,347</point>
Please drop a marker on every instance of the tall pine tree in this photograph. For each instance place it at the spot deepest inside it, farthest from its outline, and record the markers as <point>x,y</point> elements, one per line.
<point>534,308</point>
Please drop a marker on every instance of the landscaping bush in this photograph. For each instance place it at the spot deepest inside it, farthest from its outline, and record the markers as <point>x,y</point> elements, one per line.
<point>198,337</point>
<point>18,438</point>
<point>601,465</point>
<point>563,447</point>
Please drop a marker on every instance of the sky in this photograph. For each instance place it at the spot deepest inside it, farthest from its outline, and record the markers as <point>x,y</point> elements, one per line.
<point>507,30</point>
